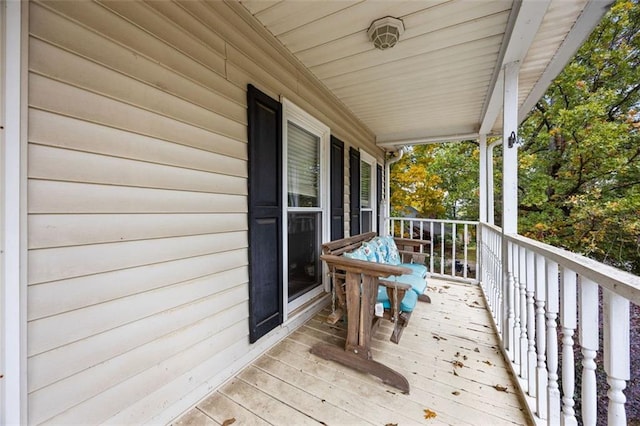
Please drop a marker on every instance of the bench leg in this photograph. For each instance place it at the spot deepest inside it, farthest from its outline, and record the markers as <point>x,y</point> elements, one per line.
<point>351,360</point>
<point>401,323</point>
<point>424,298</point>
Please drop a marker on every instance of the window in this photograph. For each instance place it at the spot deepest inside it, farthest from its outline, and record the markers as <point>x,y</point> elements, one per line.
<point>367,192</point>
<point>306,162</point>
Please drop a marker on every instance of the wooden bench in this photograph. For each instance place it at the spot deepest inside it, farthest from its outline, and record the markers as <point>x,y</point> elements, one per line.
<point>412,252</point>
<point>356,285</point>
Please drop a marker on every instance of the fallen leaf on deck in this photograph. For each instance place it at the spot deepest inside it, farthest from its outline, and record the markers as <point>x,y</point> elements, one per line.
<point>500,388</point>
<point>456,393</point>
<point>487,362</point>
<point>228,422</point>
<point>428,414</point>
<point>457,364</point>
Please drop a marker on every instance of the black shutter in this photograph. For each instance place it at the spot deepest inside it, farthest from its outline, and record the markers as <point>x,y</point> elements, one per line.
<point>265,213</point>
<point>337,189</point>
<point>354,188</point>
<point>379,196</point>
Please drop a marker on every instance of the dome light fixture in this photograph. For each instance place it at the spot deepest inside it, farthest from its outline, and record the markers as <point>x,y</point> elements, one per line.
<point>385,32</point>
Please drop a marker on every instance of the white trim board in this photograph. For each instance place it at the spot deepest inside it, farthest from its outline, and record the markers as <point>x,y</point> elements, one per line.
<point>13,407</point>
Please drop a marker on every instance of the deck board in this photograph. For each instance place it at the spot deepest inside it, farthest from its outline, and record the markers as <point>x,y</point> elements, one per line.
<point>289,385</point>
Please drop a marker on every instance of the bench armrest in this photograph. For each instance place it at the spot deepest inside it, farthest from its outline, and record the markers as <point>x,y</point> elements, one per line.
<point>395,285</point>
<point>364,267</point>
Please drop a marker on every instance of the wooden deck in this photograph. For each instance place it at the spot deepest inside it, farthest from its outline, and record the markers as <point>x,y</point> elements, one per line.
<point>448,353</point>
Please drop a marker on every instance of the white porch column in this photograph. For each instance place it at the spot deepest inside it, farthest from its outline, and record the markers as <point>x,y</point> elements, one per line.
<point>491,205</point>
<point>386,199</point>
<point>13,389</point>
<point>482,140</point>
<point>510,154</point>
<point>509,189</point>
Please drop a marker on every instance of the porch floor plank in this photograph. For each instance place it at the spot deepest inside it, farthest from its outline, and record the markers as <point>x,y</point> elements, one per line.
<point>449,353</point>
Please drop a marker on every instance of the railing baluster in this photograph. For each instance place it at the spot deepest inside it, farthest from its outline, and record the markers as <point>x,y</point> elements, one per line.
<point>531,325</point>
<point>523,314</point>
<point>588,332</point>
<point>553,393</point>
<point>499,284</point>
<point>568,321</point>
<point>517,325</point>
<point>512,252</point>
<point>453,249</point>
<point>431,244</point>
<point>616,341</point>
<point>466,245</point>
<point>442,239</point>
<point>541,337</point>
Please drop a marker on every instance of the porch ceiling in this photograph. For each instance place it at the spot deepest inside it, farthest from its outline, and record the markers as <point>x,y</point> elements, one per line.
<point>442,80</point>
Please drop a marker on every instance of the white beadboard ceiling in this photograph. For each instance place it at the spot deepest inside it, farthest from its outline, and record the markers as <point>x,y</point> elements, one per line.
<point>442,81</point>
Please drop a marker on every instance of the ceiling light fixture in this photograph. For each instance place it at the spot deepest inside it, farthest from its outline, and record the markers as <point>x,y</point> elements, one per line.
<point>385,32</point>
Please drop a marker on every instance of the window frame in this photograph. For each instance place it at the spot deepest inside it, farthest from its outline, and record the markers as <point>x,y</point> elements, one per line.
<point>296,115</point>
<point>369,159</point>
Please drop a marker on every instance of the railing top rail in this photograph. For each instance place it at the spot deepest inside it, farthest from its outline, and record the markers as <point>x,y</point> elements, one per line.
<point>613,279</point>
<point>492,227</point>
<point>416,219</point>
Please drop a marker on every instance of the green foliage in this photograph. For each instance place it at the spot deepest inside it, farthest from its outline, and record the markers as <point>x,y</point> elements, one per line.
<point>413,186</point>
<point>439,181</point>
<point>579,168</point>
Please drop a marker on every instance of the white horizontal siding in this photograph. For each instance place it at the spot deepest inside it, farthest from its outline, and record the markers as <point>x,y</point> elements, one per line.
<point>69,197</point>
<point>54,230</point>
<point>46,128</point>
<point>52,264</point>
<point>114,392</point>
<point>78,356</point>
<point>93,289</point>
<point>137,201</point>
<point>73,166</point>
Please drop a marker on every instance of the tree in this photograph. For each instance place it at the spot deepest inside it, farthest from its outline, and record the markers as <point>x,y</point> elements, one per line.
<point>412,185</point>
<point>579,168</point>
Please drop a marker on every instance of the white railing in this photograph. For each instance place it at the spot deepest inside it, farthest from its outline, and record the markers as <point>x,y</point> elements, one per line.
<point>528,287</point>
<point>453,244</point>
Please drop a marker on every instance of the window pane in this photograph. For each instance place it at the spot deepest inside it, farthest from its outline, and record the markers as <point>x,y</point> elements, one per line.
<point>303,257</point>
<point>365,185</point>
<point>366,217</point>
<point>303,167</point>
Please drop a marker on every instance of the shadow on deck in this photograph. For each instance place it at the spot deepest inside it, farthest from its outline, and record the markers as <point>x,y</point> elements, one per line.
<point>448,353</point>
